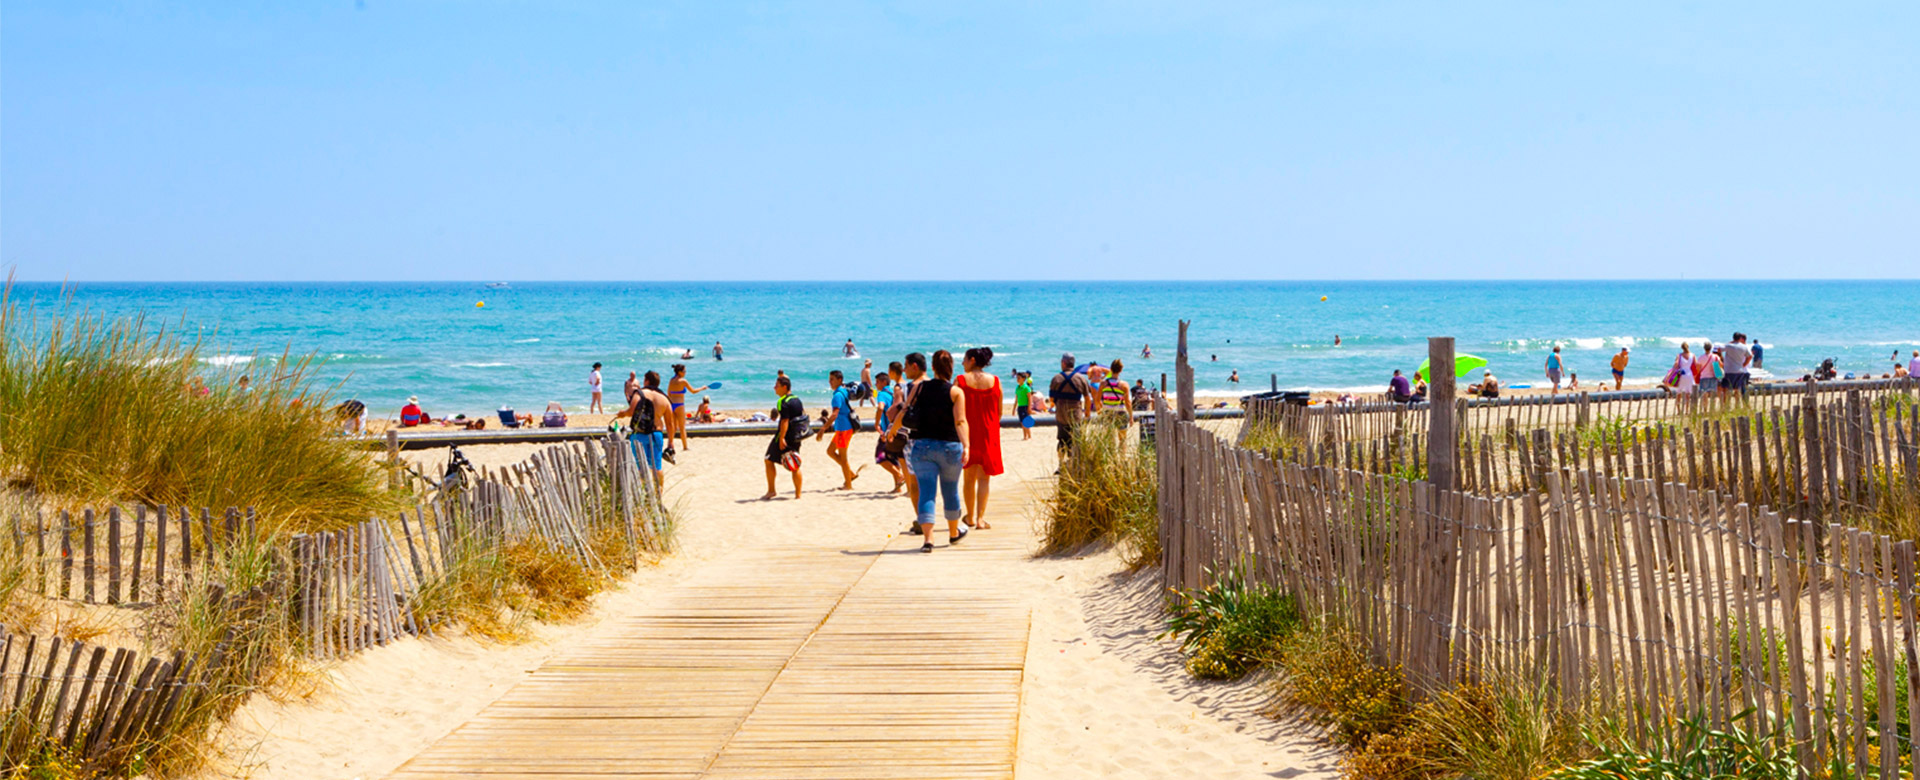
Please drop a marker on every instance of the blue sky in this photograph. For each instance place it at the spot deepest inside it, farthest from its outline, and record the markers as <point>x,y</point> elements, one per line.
<point>634,140</point>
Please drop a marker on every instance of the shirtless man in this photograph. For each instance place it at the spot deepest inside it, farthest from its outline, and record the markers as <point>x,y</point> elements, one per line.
<point>677,389</point>
<point>647,424</point>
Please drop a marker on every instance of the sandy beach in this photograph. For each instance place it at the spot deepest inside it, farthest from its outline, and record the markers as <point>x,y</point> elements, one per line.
<point>1103,696</point>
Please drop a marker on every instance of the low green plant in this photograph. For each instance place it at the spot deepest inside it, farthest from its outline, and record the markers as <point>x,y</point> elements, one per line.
<point>1606,429</point>
<point>1230,627</point>
<point>1329,675</point>
<point>1696,752</point>
<point>1503,728</point>
<point>1107,490</point>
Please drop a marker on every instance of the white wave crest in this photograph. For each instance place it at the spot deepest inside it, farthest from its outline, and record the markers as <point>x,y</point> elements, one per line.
<point>481,365</point>
<point>227,360</point>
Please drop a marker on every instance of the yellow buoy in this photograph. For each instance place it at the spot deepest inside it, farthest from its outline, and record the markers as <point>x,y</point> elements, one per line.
<point>1323,298</point>
<point>479,304</point>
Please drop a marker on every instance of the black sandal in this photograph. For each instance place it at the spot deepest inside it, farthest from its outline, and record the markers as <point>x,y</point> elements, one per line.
<point>927,548</point>
<point>953,540</point>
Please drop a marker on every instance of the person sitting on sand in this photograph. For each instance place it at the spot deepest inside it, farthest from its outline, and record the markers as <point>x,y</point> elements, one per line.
<point>1399,389</point>
<point>412,415</point>
<point>705,413</point>
<point>1142,397</point>
<point>554,417</point>
<point>353,417</point>
<point>519,420</point>
<point>784,450</point>
<point>1489,386</point>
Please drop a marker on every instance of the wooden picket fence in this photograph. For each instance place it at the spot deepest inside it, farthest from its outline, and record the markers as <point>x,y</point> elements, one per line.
<point>91,701</point>
<point>120,557</point>
<point>358,587</point>
<point>1336,425</point>
<point>1841,455</point>
<point>1658,599</point>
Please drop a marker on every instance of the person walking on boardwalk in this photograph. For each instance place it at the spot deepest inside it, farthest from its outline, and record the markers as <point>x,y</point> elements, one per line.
<point>646,415</point>
<point>1619,368</point>
<point>1071,398</point>
<point>884,401</point>
<point>677,389</point>
<point>1116,399</point>
<point>842,421</point>
<point>784,450</point>
<point>983,396</point>
<point>936,414</point>
<point>1554,367</point>
<point>594,386</point>
<point>1023,402</point>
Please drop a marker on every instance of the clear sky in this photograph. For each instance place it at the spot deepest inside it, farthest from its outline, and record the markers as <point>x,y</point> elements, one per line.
<point>380,140</point>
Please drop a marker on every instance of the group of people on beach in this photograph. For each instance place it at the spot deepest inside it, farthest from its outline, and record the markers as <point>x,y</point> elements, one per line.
<point>938,428</point>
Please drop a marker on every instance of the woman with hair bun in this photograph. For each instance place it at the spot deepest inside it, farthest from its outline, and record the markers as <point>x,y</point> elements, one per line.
<point>982,392</point>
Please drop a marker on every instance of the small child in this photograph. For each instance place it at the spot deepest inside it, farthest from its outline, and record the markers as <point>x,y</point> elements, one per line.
<point>1575,376</point>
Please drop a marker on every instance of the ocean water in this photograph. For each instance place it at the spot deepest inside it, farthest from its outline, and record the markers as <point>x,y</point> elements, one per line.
<point>533,342</point>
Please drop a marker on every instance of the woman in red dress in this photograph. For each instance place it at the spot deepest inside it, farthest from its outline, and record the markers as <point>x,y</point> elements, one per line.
<point>982,392</point>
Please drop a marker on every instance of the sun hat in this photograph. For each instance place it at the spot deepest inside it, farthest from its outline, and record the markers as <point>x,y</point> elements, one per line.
<point>413,399</point>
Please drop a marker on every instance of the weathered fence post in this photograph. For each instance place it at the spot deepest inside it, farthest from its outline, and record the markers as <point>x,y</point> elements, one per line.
<point>1183,376</point>
<point>1440,411</point>
<point>393,459</point>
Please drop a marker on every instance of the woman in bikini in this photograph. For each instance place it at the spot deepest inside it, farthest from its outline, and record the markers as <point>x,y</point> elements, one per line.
<point>677,389</point>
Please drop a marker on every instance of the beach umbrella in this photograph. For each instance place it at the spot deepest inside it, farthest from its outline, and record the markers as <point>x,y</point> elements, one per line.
<point>1462,363</point>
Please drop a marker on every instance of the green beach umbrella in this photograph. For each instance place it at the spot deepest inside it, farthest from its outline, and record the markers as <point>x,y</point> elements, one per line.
<point>1462,363</point>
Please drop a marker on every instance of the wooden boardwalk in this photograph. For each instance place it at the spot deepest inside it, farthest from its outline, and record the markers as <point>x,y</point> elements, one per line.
<point>794,663</point>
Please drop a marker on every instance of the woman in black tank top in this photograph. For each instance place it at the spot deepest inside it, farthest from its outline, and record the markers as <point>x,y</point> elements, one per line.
<point>937,414</point>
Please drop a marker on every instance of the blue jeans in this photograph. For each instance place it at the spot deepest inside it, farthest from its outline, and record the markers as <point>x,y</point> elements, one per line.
<point>937,463</point>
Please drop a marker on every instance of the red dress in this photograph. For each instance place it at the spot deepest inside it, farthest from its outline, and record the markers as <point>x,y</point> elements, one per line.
<point>983,426</point>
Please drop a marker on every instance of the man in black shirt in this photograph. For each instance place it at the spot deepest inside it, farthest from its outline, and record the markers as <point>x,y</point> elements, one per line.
<point>785,447</point>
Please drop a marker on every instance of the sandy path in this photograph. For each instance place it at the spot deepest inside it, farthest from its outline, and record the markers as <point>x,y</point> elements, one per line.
<point>1102,696</point>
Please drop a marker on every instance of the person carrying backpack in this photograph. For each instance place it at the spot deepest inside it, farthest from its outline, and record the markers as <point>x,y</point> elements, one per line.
<point>1072,400</point>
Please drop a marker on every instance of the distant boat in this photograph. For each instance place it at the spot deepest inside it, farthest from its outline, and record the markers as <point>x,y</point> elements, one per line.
<point>497,286</point>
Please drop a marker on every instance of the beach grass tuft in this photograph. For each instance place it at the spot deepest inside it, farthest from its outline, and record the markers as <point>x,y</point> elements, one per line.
<point>1232,626</point>
<point>1106,491</point>
<point>116,410</point>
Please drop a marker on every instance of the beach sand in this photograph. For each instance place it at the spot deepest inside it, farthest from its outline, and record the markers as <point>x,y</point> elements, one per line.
<point>1104,696</point>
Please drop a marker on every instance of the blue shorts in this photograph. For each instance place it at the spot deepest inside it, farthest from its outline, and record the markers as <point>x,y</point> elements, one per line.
<point>648,446</point>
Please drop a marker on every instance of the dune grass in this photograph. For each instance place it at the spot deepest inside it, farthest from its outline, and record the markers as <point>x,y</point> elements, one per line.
<point>1106,491</point>
<point>110,410</point>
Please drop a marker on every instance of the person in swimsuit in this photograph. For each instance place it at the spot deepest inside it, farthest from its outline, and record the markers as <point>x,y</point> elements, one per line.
<point>593,385</point>
<point>1619,368</point>
<point>840,420</point>
<point>848,350</point>
<point>646,415</point>
<point>784,450</point>
<point>983,398</point>
<point>939,448</point>
<point>716,351</point>
<point>866,381</point>
<point>677,389</point>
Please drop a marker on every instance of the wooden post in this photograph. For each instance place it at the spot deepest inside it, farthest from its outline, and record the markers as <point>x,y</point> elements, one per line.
<point>393,459</point>
<point>1183,376</point>
<point>1273,382</point>
<point>1440,411</point>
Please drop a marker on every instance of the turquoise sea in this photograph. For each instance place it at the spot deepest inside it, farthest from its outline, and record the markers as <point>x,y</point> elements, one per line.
<point>533,342</point>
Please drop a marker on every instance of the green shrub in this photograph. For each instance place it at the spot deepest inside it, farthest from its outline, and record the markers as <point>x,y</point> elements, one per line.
<point>1230,627</point>
<point>1698,752</point>
<point>1329,674</point>
<point>1107,490</point>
